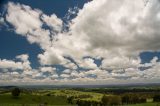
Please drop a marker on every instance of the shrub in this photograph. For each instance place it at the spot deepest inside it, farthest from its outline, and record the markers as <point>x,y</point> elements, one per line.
<point>48,94</point>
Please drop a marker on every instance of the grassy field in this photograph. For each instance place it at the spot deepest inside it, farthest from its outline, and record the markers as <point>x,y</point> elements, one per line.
<point>55,98</point>
<point>33,99</point>
<point>145,104</point>
<point>50,97</point>
<point>31,105</point>
<point>94,96</point>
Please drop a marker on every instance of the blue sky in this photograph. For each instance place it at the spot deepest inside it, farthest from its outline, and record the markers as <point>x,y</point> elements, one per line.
<point>19,45</point>
<point>79,42</point>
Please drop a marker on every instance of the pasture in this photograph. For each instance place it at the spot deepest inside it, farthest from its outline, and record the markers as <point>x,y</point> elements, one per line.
<point>70,97</point>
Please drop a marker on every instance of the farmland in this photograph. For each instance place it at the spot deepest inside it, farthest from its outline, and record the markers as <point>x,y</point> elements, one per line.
<point>81,97</point>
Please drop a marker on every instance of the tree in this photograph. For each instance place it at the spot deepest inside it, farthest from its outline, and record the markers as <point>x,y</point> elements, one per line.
<point>16,92</point>
<point>156,98</point>
<point>131,98</point>
<point>105,100</point>
<point>70,99</point>
<point>125,99</point>
<point>115,100</point>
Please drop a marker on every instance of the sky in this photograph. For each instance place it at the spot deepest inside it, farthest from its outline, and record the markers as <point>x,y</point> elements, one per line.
<point>79,42</point>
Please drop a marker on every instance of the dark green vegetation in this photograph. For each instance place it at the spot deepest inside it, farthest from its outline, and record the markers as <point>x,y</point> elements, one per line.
<point>16,92</point>
<point>128,96</point>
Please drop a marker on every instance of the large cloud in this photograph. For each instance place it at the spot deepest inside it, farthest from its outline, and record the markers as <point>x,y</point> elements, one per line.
<point>127,25</point>
<point>121,30</point>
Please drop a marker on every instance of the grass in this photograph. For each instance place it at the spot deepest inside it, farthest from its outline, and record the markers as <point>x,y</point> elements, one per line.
<point>31,105</point>
<point>56,97</point>
<point>95,96</point>
<point>145,104</point>
<point>33,99</point>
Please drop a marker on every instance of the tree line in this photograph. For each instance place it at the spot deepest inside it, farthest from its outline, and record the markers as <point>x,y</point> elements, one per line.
<point>114,100</point>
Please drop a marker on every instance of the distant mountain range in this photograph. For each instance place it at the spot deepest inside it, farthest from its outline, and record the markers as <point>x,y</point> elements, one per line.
<point>81,86</point>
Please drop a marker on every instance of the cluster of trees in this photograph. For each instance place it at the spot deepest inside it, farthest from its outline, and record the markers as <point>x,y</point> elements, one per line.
<point>156,98</point>
<point>128,98</point>
<point>80,101</point>
<point>106,100</point>
<point>132,98</point>
<point>122,90</point>
<point>111,100</point>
